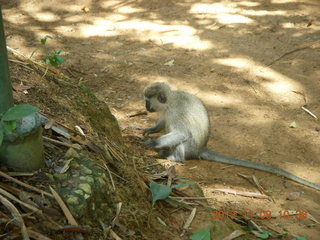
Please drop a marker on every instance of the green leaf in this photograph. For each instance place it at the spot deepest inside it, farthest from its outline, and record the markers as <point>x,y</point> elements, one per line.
<point>7,129</point>
<point>59,59</point>
<point>293,125</point>
<point>12,124</point>
<point>55,60</point>
<point>19,111</point>
<point>201,235</point>
<point>58,51</point>
<point>159,191</point>
<point>169,63</point>
<point>46,60</point>
<point>263,235</point>
<point>44,39</point>
<point>282,235</point>
<point>299,238</point>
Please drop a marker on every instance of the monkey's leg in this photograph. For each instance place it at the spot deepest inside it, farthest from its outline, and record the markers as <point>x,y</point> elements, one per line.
<point>164,153</point>
<point>169,140</point>
<point>157,128</point>
<point>178,154</point>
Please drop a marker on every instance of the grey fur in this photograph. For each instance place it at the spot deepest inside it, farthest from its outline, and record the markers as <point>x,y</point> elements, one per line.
<point>187,126</point>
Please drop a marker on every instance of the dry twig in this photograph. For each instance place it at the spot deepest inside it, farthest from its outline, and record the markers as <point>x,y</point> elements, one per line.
<point>17,216</point>
<point>2,174</point>
<point>75,146</point>
<point>64,208</point>
<point>244,194</point>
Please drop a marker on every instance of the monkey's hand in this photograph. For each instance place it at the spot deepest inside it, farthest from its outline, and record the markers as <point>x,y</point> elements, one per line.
<point>150,143</point>
<point>148,131</point>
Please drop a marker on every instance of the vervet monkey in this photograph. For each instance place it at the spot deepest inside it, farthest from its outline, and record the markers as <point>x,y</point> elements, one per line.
<point>185,120</point>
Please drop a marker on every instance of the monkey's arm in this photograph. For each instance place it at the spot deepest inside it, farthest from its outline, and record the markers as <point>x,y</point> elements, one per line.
<point>166,141</point>
<point>157,128</point>
<point>213,156</point>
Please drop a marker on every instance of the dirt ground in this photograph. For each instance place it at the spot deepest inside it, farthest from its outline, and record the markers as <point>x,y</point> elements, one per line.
<point>253,63</point>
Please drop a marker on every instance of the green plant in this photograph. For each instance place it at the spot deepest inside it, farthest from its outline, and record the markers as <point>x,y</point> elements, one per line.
<point>51,57</point>
<point>8,119</point>
<point>203,234</point>
<point>161,192</point>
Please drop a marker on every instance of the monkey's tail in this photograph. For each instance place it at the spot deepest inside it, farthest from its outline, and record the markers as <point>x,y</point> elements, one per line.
<point>213,156</point>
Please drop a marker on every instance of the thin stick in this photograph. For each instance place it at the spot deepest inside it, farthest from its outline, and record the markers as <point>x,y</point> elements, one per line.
<point>244,194</point>
<point>110,176</point>
<point>64,207</point>
<point>9,195</point>
<point>17,216</point>
<point>286,54</point>
<point>61,143</point>
<point>37,235</point>
<point>23,64</point>
<point>192,198</point>
<point>151,165</point>
<point>308,111</point>
<point>2,174</point>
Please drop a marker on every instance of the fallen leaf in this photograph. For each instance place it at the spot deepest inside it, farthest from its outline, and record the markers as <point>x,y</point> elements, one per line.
<point>169,63</point>
<point>233,235</point>
<point>20,88</point>
<point>293,125</point>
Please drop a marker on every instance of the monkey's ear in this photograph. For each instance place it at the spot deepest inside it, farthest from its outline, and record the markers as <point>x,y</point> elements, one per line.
<point>162,98</point>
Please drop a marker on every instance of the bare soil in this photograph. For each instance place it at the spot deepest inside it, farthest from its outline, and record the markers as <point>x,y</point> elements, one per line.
<point>253,63</point>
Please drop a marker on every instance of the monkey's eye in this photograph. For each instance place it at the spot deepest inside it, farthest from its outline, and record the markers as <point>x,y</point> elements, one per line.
<point>162,98</point>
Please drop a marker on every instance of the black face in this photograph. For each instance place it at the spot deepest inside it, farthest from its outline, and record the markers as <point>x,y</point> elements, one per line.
<point>148,107</point>
<point>162,98</point>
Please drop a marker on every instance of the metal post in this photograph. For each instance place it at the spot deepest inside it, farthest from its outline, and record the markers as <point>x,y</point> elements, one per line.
<point>6,98</point>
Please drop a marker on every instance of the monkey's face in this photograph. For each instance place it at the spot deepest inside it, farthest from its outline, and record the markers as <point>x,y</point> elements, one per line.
<point>156,103</point>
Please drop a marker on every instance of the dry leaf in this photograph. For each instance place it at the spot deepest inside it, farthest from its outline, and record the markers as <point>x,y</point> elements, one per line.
<point>20,88</point>
<point>233,235</point>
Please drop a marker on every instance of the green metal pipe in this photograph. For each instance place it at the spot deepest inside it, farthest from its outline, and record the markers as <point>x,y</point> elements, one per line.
<point>6,98</point>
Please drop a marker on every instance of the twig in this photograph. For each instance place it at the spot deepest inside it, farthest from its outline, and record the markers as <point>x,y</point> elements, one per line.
<point>73,228</point>
<point>193,198</point>
<point>234,235</point>
<point>61,143</point>
<point>64,208</point>
<point>9,195</point>
<point>253,180</point>
<point>21,174</point>
<point>17,216</point>
<point>308,111</point>
<point>123,179</point>
<point>113,235</point>
<point>36,235</point>
<point>2,174</point>
<point>286,54</point>
<point>110,176</point>
<point>159,46</point>
<point>256,225</point>
<point>245,194</point>
<point>189,221</point>
<point>151,165</point>
<point>23,64</point>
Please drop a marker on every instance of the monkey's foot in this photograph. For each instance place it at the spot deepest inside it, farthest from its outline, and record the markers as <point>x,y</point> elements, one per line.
<point>164,153</point>
<point>150,143</point>
<point>174,158</point>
